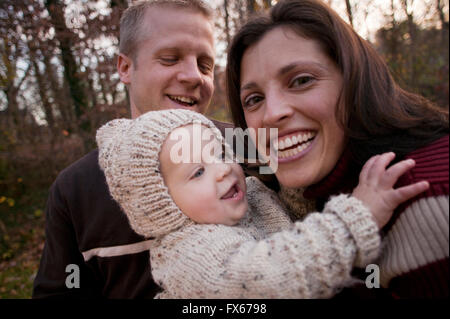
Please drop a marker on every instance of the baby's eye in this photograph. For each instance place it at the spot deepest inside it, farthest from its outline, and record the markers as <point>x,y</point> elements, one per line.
<point>300,81</point>
<point>198,172</point>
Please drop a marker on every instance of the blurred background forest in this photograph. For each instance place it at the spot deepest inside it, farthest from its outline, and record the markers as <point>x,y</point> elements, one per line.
<point>58,85</point>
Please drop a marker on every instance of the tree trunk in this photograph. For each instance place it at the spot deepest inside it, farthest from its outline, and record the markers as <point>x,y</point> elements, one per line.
<point>444,24</point>
<point>413,42</point>
<point>241,14</point>
<point>42,88</point>
<point>122,4</point>
<point>349,12</point>
<point>251,4</point>
<point>267,4</point>
<point>227,24</point>
<point>62,101</point>
<point>71,72</point>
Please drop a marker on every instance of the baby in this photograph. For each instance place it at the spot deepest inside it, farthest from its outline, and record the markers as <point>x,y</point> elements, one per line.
<point>219,235</point>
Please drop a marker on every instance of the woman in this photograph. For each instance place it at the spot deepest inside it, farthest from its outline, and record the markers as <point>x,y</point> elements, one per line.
<point>304,71</point>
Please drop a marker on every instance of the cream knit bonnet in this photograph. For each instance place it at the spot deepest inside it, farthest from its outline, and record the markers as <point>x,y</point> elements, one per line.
<point>129,156</point>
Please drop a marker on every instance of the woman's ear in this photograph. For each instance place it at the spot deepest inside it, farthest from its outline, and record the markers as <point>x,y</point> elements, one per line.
<point>124,68</point>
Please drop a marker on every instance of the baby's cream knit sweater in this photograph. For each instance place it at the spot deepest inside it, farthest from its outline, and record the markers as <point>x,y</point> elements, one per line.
<point>267,255</point>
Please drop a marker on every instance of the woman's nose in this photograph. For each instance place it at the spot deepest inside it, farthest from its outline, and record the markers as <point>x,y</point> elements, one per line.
<point>277,109</point>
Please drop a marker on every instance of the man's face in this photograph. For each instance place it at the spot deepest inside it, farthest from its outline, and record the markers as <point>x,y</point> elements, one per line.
<point>174,63</point>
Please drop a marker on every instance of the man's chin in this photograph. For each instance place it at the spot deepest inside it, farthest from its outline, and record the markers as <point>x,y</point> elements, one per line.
<point>195,108</point>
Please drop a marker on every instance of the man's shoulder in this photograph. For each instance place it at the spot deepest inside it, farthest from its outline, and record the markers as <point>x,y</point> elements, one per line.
<point>85,168</point>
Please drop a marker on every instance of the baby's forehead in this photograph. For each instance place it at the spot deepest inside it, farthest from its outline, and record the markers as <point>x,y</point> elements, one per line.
<point>191,143</point>
<point>192,129</point>
<point>193,134</point>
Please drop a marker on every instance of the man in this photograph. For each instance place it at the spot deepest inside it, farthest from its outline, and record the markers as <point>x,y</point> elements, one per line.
<point>166,61</point>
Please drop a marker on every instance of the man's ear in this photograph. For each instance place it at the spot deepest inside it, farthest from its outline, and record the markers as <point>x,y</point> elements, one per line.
<point>124,68</point>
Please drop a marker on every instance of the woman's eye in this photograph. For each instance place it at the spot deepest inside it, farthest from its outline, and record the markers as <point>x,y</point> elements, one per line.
<point>199,172</point>
<point>300,81</point>
<point>252,100</point>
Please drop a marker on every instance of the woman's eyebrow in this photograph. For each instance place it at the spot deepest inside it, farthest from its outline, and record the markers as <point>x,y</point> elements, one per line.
<point>287,68</point>
<point>249,86</point>
<point>301,64</point>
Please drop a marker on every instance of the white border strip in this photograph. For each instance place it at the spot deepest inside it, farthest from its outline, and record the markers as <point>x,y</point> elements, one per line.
<point>117,250</point>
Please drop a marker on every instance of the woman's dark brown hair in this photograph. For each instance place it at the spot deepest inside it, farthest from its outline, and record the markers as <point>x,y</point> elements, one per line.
<point>375,113</point>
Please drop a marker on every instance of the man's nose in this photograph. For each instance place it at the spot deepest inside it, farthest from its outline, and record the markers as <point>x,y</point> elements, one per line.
<point>190,73</point>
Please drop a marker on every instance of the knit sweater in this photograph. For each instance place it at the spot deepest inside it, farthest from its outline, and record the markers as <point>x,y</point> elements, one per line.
<point>267,255</point>
<point>84,226</point>
<point>415,259</point>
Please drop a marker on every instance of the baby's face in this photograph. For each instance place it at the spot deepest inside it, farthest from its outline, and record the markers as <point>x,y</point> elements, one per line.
<point>204,187</point>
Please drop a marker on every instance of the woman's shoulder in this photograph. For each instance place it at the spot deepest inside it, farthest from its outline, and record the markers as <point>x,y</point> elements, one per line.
<point>432,165</point>
<point>436,150</point>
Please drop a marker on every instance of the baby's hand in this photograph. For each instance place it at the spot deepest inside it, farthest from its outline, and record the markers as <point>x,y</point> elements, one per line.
<point>375,188</point>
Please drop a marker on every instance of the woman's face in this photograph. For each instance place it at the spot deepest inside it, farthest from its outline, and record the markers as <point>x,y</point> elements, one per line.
<point>289,83</point>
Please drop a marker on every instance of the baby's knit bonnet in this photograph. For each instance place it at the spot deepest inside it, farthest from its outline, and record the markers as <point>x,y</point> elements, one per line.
<point>129,156</point>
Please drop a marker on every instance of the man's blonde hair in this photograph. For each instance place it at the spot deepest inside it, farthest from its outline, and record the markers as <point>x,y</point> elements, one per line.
<point>133,18</point>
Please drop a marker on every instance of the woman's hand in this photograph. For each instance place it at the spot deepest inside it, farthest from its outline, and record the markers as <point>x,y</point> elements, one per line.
<point>375,188</point>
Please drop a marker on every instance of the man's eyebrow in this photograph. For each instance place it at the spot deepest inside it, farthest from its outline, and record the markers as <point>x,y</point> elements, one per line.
<point>167,49</point>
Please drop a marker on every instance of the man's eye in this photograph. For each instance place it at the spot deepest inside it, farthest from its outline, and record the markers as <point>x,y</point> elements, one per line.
<point>205,67</point>
<point>300,81</point>
<point>252,100</point>
<point>199,172</point>
<point>169,59</point>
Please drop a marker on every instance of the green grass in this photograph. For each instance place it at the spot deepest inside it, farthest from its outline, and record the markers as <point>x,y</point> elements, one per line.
<point>16,281</point>
<point>21,242</point>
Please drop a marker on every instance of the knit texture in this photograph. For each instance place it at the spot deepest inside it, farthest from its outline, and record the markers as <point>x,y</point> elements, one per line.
<point>415,258</point>
<point>266,255</point>
<point>129,156</point>
<point>298,206</point>
<point>415,261</point>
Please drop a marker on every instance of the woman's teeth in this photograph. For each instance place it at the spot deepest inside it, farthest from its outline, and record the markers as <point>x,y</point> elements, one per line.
<point>293,151</point>
<point>293,145</point>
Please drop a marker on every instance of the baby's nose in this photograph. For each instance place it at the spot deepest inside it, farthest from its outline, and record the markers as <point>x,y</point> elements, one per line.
<point>223,170</point>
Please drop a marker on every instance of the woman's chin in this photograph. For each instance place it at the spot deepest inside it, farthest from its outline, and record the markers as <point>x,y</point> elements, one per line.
<point>293,179</point>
